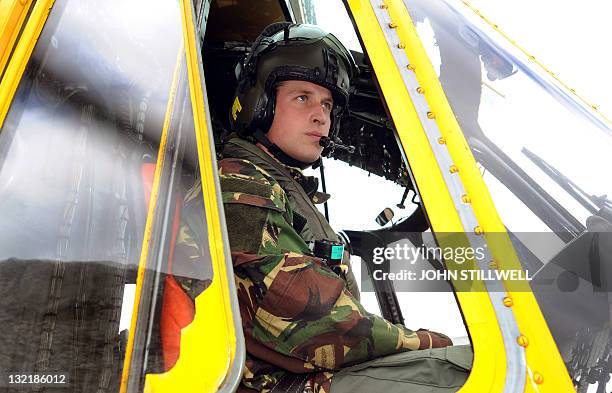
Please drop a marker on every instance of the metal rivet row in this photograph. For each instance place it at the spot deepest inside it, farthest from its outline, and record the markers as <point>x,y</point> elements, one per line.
<point>391,30</point>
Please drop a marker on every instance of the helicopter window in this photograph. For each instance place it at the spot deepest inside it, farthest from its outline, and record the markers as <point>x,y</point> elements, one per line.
<point>78,163</point>
<point>539,142</point>
<point>528,225</point>
<point>543,154</point>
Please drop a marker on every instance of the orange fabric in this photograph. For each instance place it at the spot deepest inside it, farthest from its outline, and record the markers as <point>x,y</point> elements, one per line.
<point>147,172</point>
<point>177,312</point>
<point>178,309</point>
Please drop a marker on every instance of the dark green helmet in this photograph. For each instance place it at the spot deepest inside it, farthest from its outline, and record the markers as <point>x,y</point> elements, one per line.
<point>287,51</point>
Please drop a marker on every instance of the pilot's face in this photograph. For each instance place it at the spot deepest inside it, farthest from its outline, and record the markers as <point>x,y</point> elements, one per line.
<point>301,118</point>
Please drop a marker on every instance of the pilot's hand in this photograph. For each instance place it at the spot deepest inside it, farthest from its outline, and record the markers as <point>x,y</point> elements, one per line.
<point>431,339</point>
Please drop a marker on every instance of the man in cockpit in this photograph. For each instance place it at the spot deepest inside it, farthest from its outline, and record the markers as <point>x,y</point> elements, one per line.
<point>302,319</point>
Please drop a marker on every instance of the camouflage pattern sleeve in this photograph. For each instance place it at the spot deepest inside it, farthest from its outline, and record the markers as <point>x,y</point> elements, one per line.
<point>190,260</point>
<point>297,314</point>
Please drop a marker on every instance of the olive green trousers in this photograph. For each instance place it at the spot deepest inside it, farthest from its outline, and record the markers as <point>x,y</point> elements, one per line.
<point>427,371</point>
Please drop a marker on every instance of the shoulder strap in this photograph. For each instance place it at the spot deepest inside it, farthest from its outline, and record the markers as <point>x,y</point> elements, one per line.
<point>315,226</point>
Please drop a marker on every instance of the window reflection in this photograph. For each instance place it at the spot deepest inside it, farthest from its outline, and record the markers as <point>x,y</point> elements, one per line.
<point>77,152</point>
<point>543,156</point>
<point>507,109</point>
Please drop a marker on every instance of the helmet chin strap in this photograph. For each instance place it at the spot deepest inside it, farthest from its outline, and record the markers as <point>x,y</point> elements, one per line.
<point>281,155</point>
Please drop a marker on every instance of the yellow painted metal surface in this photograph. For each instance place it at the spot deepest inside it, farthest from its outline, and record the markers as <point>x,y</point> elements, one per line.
<point>208,344</point>
<point>420,157</point>
<point>489,361</point>
<point>144,254</point>
<point>21,55</point>
<point>541,354</point>
<point>12,16</point>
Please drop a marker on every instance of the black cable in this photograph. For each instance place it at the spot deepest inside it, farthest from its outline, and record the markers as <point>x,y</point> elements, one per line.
<point>401,204</point>
<point>321,168</point>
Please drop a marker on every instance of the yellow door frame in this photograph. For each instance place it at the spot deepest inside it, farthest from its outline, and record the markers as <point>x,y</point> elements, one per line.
<point>12,15</point>
<point>513,348</point>
<point>21,55</point>
<point>212,347</point>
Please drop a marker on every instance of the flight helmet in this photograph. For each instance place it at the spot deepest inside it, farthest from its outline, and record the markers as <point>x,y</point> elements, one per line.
<point>288,51</point>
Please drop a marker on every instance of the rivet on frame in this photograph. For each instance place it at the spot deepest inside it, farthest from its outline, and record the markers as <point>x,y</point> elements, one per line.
<point>508,302</point>
<point>430,115</point>
<point>466,199</point>
<point>538,378</point>
<point>393,25</point>
<point>420,90</point>
<point>453,169</point>
<point>478,230</point>
<point>523,341</point>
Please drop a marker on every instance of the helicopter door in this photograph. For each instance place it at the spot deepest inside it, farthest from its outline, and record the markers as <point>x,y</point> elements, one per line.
<point>112,254</point>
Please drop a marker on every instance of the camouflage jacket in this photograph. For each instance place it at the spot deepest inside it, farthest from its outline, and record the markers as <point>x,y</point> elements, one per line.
<point>297,314</point>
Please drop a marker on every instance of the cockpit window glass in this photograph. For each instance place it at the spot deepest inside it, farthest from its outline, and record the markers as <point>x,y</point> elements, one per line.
<point>544,156</point>
<point>515,118</point>
<point>106,86</point>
